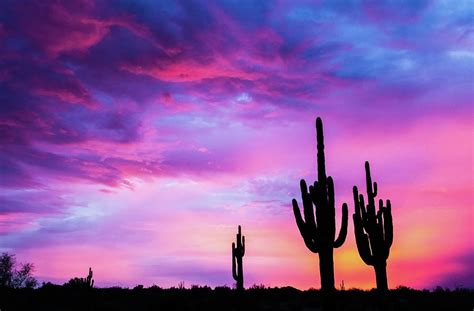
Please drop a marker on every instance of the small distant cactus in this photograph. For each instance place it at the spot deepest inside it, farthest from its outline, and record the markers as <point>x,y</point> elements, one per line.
<point>237,253</point>
<point>342,286</point>
<point>89,281</point>
<point>319,233</point>
<point>373,231</point>
<point>82,283</point>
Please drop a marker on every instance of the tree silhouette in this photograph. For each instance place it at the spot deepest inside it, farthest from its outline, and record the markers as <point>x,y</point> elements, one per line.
<point>237,253</point>
<point>373,231</point>
<point>12,277</point>
<point>318,234</point>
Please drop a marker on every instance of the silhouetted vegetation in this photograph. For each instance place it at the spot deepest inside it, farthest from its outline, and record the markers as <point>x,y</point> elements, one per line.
<point>238,251</point>
<point>373,231</point>
<point>54,298</point>
<point>81,283</point>
<point>319,233</point>
<point>12,277</point>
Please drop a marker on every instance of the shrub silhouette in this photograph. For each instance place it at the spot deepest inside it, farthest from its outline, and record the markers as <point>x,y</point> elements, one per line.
<point>237,253</point>
<point>81,283</point>
<point>373,231</point>
<point>318,234</point>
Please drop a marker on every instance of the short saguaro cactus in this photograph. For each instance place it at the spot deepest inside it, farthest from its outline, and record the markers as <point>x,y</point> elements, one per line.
<point>238,251</point>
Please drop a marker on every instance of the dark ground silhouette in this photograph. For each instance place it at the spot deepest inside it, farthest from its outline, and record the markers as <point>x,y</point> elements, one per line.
<point>55,298</point>
<point>319,233</point>
<point>373,231</point>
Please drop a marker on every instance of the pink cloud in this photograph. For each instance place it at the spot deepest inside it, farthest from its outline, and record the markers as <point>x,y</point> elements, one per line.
<point>188,70</point>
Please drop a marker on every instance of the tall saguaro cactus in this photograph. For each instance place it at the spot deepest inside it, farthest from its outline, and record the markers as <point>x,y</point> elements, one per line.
<point>237,253</point>
<point>373,230</point>
<point>319,233</point>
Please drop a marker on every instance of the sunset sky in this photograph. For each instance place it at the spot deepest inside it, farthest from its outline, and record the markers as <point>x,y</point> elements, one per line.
<point>136,135</point>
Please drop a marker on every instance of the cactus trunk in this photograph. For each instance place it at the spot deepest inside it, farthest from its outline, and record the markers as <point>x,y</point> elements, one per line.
<point>318,228</point>
<point>240,272</point>
<point>326,269</point>
<point>381,276</point>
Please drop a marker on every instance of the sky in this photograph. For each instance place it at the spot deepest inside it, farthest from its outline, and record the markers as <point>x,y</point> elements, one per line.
<point>137,135</point>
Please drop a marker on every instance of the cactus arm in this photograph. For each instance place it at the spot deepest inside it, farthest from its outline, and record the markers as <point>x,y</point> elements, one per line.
<point>343,232</point>
<point>234,270</point>
<point>308,241</point>
<point>243,246</point>
<point>362,241</point>
<point>331,201</point>
<point>362,206</point>
<point>379,227</point>
<point>307,207</point>
<point>307,227</point>
<point>299,220</point>
<point>363,212</point>
<point>355,192</point>
<point>315,195</point>
<point>388,224</point>
<point>385,228</point>
<point>330,210</point>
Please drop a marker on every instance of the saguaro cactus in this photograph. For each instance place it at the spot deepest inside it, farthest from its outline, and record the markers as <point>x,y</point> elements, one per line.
<point>237,253</point>
<point>318,234</point>
<point>373,231</point>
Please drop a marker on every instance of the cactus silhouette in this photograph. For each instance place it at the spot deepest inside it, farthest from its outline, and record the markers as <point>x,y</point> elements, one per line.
<point>89,280</point>
<point>237,253</point>
<point>373,231</point>
<point>319,233</point>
